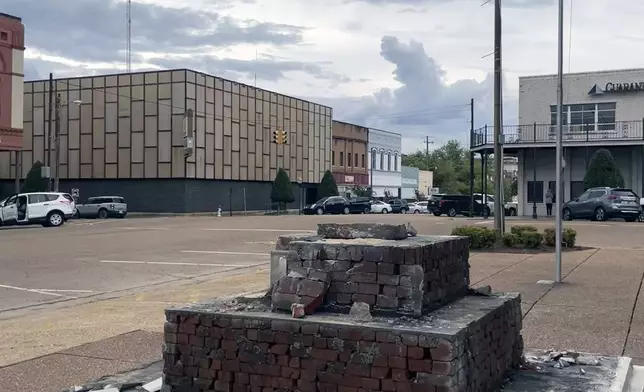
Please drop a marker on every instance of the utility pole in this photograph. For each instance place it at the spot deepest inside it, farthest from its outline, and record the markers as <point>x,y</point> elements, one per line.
<point>498,124</point>
<point>559,149</point>
<point>471,157</point>
<point>49,129</point>
<point>427,143</point>
<point>57,144</point>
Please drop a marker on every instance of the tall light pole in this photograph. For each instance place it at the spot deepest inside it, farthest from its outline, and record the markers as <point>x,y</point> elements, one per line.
<point>56,139</point>
<point>498,124</point>
<point>559,149</point>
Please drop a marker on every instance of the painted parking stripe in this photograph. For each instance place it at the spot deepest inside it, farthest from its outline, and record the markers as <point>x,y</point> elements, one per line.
<point>30,290</point>
<point>266,230</point>
<point>180,263</point>
<point>216,252</point>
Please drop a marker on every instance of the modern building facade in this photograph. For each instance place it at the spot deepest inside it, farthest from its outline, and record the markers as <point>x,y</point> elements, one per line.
<point>349,156</point>
<point>130,135</point>
<point>385,163</point>
<point>425,182</point>
<point>12,73</point>
<point>409,182</point>
<point>601,109</point>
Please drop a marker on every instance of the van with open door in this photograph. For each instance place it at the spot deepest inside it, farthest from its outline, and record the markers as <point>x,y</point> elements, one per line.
<point>50,209</point>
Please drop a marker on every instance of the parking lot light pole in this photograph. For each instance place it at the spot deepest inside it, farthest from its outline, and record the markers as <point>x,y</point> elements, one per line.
<point>57,139</point>
<point>559,149</point>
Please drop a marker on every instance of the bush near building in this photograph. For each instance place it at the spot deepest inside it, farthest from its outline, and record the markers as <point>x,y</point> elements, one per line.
<point>282,191</point>
<point>34,181</point>
<point>327,187</point>
<point>519,237</point>
<point>603,172</point>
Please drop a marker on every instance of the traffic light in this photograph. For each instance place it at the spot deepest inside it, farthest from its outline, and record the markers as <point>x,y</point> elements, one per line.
<point>280,136</point>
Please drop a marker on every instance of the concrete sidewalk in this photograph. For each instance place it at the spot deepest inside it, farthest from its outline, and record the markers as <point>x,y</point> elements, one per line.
<point>595,310</point>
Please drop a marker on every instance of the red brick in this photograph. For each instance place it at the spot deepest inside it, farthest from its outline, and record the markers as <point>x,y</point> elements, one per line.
<point>308,375</point>
<point>242,378</point>
<point>325,387</point>
<point>215,332</point>
<point>398,363</point>
<point>416,387</point>
<point>306,386</point>
<point>283,337</point>
<point>283,360</point>
<point>204,363</point>
<point>356,369</point>
<point>399,375</point>
<point>444,352</point>
<point>191,371</point>
<point>183,338</point>
<point>240,388</point>
<point>221,386</point>
<point>207,373</point>
<point>229,345</point>
<point>369,299</point>
<point>420,365</point>
<point>256,380</point>
<point>324,354</point>
<point>190,329</point>
<point>371,383</point>
<point>380,372</point>
<point>330,378</point>
<point>415,352</point>
<point>351,381</point>
<point>251,334</point>
<point>211,343</point>
<point>380,360</point>
<point>230,365</point>
<point>290,373</point>
<point>196,340</point>
<point>310,329</point>
<point>442,368</point>
<point>403,386</point>
<point>319,342</point>
<point>388,385</point>
<point>216,364</point>
<point>343,388</point>
<point>313,364</point>
<point>225,376</point>
<point>294,363</point>
<point>279,349</point>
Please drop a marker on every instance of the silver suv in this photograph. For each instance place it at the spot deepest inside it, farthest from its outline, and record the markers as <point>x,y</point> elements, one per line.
<point>102,207</point>
<point>604,203</point>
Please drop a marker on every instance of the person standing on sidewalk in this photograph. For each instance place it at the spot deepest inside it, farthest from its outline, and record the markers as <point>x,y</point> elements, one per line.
<point>549,200</point>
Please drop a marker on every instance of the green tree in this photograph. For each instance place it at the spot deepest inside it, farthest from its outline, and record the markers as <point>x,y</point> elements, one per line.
<point>603,172</point>
<point>34,181</point>
<point>282,191</point>
<point>327,187</point>
<point>361,191</point>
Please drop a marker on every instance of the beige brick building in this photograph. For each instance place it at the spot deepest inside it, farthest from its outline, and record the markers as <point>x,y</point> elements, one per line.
<point>126,137</point>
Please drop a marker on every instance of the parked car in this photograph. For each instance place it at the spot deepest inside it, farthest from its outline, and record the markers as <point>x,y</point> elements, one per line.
<point>380,207</point>
<point>338,205</point>
<point>490,201</point>
<point>102,207</point>
<point>604,203</point>
<point>420,207</point>
<point>50,209</point>
<point>512,207</point>
<point>398,206</point>
<point>453,205</point>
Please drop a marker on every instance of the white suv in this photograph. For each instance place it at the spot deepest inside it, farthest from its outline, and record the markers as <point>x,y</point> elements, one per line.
<point>50,209</point>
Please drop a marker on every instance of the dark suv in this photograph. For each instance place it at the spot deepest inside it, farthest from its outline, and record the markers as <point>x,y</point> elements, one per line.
<point>398,206</point>
<point>453,205</point>
<point>604,203</point>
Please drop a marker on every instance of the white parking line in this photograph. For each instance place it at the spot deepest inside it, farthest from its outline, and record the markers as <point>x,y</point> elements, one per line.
<point>145,228</point>
<point>215,252</point>
<point>69,291</point>
<point>30,290</point>
<point>179,263</point>
<point>267,230</point>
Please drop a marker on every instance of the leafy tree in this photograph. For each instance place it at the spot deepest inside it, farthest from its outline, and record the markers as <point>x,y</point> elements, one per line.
<point>34,182</point>
<point>603,171</point>
<point>327,187</point>
<point>282,191</point>
<point>361,191</point>
<point>419,195</point>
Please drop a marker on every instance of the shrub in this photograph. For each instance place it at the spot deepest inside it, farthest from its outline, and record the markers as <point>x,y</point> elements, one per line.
<point>603,171</point>
<point>282,191</point>
<point>569,237</point>
<point>531,239</point>
<point>519,230</point>
<point>511,240</point>
<point>33,181</point>
<point>480,237</point>
<point>327,186</point>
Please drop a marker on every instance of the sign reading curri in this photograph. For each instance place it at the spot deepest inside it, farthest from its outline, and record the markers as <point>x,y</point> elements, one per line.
<point>611,87</point>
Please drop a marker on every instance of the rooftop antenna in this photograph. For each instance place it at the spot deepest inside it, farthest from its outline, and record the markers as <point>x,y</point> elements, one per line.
<point>128,48</point>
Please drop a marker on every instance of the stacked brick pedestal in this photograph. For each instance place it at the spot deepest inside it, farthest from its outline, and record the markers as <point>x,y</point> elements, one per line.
<point>467,346</point>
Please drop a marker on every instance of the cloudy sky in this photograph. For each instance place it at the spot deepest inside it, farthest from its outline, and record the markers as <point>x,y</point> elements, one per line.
<point>409,66</point>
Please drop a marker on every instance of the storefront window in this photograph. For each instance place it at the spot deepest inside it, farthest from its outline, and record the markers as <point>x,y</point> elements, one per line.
<point>585,117</point>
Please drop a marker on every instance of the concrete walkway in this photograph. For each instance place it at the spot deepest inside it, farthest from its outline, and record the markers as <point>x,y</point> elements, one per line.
<point>596,310</point>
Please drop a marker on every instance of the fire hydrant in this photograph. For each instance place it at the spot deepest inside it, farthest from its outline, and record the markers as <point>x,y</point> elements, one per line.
<point>219,211</point>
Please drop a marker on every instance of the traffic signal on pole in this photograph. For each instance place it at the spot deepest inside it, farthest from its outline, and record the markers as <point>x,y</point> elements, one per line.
<point>284,136</point>
<point>280,136</point>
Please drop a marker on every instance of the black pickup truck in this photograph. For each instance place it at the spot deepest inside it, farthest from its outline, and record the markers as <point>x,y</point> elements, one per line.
<point>338,205</point>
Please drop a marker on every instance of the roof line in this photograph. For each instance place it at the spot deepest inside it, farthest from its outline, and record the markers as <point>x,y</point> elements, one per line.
<point>583,73</point>
<point>19,19</point>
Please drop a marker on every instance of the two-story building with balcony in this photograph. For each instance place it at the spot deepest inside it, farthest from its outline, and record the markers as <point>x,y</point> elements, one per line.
<point>349,156</point>
<point>601,110</point>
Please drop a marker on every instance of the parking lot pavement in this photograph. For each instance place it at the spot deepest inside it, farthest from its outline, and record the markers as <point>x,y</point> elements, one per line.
<point>90,257</point>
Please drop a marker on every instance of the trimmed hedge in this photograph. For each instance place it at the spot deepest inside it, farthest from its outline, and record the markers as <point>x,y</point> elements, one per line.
<point>480,237</point>
<point>569,237</point>
<point>527,237</point>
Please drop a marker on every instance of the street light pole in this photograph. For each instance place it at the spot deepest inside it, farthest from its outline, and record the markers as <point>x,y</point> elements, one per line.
<point>57,144</point>
<point>498,123</point>
<point>559,150</point>
<point>50,136</point>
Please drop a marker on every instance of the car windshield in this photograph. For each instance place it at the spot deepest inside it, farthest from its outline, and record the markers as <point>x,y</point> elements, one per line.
<point>624,193</point>
<point>322,200</point>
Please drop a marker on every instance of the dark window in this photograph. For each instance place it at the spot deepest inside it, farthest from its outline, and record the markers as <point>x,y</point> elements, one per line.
<point>373,159</point>
<point>362,160</point>
<point>623,193</point>
<point>333,158</point>
<point>535,192</point>
<point>396,162</point>
<point>552,185</point>
<point>349,161</point>
<point>341,158</point>
<point>389,161</point>
<point>576,189</point>
<point>355,162</point>
<point>382,161</point>
<point>119,200</point>
<point>51,197</point>
<point>584,196</point>
<point>596,194</point>
<point>4,36</point>
<point>37,198</point>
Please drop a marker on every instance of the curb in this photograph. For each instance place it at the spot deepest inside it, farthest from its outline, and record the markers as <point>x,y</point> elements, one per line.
<point>622,375</point>
<point>224,214</point>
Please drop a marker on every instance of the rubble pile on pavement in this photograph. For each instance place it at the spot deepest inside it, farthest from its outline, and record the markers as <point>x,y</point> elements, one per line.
<point>152,386</point>
<point>560,360</point>
<point>359,307</point>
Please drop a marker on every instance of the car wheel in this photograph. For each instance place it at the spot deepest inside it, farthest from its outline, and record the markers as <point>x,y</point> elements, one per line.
<point>437,214</point>
<point>102,213</point>
<point>55,219</point>
<point>367,210</point>
<point>416,212</point>
<point>403,210</point>
<point>346,211</point>
<point>600,214</point>
<point>451,212</point>
<point>567,214</point>
<point>513,212</point>
<point>319,211</point>
<point>384,211</point>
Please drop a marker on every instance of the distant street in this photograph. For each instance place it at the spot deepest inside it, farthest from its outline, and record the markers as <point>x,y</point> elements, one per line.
<point>91,257</point>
